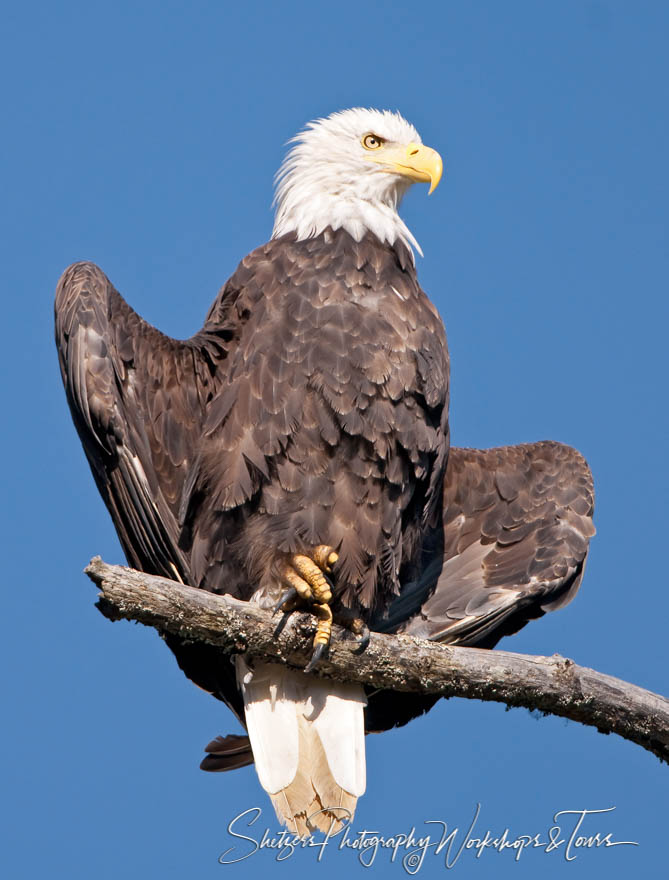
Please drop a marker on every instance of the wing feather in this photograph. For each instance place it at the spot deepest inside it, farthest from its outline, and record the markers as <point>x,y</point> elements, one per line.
<point>127,387</point>
<point>517,523</point>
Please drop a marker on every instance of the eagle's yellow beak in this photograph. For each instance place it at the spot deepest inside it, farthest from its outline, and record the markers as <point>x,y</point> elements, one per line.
<point>415,161</point>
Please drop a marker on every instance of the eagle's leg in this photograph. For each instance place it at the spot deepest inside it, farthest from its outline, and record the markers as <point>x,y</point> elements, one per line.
<point>307,582</point>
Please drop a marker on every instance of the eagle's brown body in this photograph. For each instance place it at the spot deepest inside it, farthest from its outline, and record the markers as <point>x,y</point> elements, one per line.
<point>312,408</point>
<point>328,422</point>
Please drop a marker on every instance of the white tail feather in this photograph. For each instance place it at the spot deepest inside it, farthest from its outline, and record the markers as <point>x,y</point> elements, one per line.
<point>308,741</point>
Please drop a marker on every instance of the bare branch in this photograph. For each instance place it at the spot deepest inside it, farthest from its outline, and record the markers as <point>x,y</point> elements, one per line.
<point>553,685</point>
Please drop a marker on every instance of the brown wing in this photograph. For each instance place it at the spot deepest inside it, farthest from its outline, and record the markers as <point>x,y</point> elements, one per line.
<point>517,522</point>
<point>137,399</point>
<point>136,405</point>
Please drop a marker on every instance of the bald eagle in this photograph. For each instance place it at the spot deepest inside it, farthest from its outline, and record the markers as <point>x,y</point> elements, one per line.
<point>295,453</point>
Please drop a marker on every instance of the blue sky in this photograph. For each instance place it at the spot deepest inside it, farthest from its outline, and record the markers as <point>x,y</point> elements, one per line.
<point>145,136</point>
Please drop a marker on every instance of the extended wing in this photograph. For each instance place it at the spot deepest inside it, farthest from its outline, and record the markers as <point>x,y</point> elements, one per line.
<point>137,399</point>
<point>136,405</point>
<point>517,523</point>
<point>516,527</point>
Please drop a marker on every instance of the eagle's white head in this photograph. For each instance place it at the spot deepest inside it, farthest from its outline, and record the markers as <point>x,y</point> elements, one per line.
<point>351,170</point>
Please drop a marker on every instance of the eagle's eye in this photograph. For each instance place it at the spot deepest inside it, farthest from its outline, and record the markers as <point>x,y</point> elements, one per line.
<point>372,142</point>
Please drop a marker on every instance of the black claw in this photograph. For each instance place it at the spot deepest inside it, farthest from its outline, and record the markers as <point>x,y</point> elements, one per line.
<point>285,597</point>
<point>363,641</point>
<point>319,650</point>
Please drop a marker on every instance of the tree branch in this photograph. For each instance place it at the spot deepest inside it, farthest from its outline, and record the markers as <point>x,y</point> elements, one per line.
<point>553,685</point>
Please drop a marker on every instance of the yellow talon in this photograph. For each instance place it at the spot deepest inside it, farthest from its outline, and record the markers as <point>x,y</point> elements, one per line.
<point>305,577</point>
<point>324,628</point>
